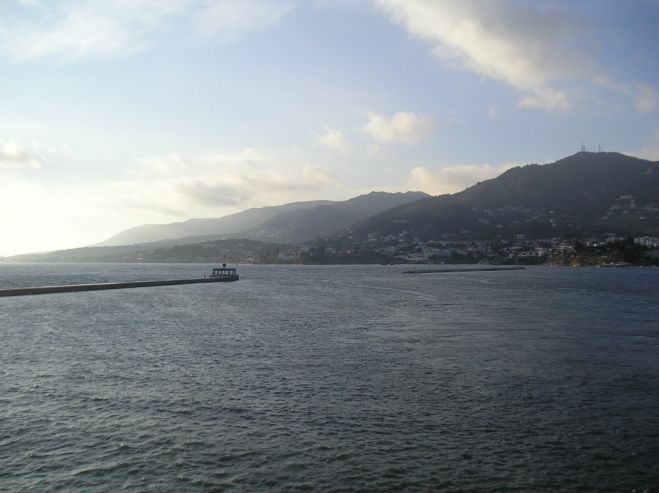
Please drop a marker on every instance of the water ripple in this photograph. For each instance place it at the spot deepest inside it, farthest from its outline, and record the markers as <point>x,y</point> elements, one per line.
<point>370,380</point>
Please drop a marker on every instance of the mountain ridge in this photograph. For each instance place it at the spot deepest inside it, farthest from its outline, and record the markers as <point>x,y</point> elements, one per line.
<point>292,222</point>
<point>573,195</point>
<point>329,219</point>
<point>229,224</point>
<point>585,195</point>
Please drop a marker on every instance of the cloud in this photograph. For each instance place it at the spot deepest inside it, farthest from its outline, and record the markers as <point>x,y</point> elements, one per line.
<point>316,177</point>
<point>452,179</point>
<point>546,99</point>
<point>81,29</point>
<point>158,189</point>
<point>14,156</point>
<point>157,199</point>
<point>403,127</point>
<point>243,187</point>
<point>175,164</point>
<point>233,18</point>
<point>529,48</point>
<point>650,151</point>
<point>206,183</point>
<point>211,194</point>
<point>334,139</point>
<point>647,98</point>
<point>171,163</point>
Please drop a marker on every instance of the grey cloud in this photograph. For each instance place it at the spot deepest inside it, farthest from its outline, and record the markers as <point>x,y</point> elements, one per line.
<point>527,47</point>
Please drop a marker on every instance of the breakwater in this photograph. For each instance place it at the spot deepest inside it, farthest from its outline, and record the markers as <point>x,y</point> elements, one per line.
<point>72,288</point>
<point>462,269</point>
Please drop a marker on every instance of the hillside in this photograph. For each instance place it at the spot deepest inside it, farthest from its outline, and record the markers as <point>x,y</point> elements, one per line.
<point>587,193</point>
<point>293,222</point>
<point>584,195</point>
<point>209,227</point>
<point>327,220</point>
<point>203,252</point>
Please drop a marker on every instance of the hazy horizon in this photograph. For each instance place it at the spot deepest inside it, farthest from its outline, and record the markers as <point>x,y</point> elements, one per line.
<point>117,114</point>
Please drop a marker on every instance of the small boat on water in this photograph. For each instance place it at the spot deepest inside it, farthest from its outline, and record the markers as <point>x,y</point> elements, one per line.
<point>225,273</point>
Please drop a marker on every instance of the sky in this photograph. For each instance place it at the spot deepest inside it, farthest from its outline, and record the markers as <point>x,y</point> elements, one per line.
<point>115,114</point>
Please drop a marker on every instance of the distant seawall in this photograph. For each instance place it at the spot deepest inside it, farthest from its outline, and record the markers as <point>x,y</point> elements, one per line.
<point>73,288</point>
<point>474,269</point>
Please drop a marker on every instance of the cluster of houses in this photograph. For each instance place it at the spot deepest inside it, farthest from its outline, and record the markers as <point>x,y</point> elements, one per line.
<point>518,247</point>
<point>627,205</point>
<point>406,249</point>
<point>647,241</point>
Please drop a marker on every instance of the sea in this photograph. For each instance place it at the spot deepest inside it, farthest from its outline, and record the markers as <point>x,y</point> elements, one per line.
<point>331,378</point>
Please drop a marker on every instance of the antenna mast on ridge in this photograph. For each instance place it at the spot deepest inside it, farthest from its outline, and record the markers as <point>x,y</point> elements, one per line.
<point>583,147</point>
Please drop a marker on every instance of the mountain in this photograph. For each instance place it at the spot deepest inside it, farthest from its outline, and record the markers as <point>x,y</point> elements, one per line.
<point>210,228</point>
<point>326,220</point>
<point>204,252</point>
<point>294,222</point>
<point>586,193</point>
<point>235,237</point>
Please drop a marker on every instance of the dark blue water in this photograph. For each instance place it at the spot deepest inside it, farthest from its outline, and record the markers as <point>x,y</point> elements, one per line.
<point>332,379</point>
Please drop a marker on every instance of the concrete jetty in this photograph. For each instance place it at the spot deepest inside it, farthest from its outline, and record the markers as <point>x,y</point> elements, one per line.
<point>461,269</point>
<point>72,288</point>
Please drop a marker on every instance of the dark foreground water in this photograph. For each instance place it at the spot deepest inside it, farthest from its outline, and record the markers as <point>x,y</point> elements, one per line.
<point>331,378</point>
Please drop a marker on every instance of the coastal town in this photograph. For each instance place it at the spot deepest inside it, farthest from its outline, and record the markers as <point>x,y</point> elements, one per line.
<point>609,249</point>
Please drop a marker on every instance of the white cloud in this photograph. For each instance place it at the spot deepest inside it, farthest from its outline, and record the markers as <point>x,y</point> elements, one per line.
<point>403,127</point>
<point>546,99</point>
<point>14,156</point>
<point>67,216</point>
<point>647,98</point>
<point>207,183</point>
<point>318,177</point>
<point>247,187</point>
<point>79,29</point>
<point>175,164</point>
<point>451,179</point>
<point>171,163</point>
<point>233,18</point>
<point>334,139</point>
<point>529,48</point>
